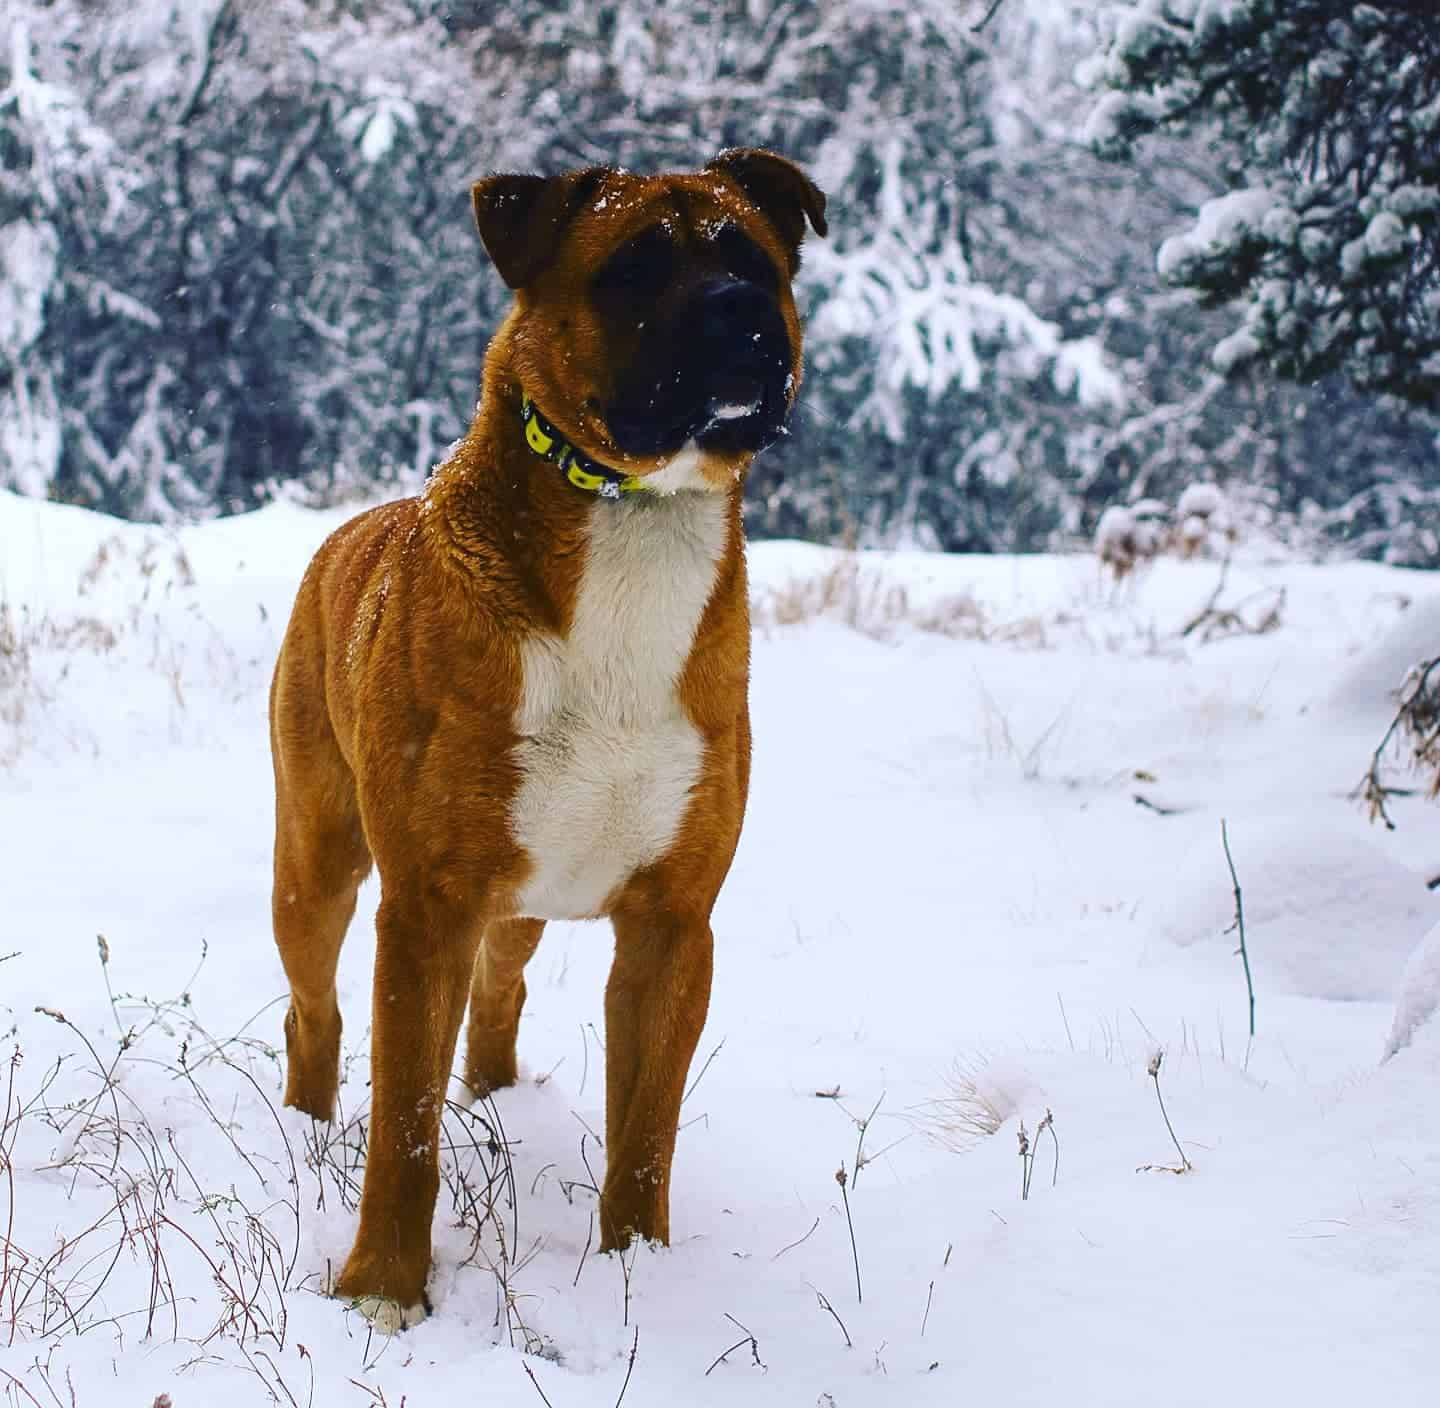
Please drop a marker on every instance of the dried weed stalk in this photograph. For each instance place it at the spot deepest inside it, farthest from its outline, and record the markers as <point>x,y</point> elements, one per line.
<point>1239,924</point>
<point>1184,1166</point>
<point>749,1339</point>
<point>1030,1149</point>
<point>1417,720</point>
<point>1258,614</point>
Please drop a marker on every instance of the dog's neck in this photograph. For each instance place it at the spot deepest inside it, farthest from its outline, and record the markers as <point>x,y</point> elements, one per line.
<point>583,473</point>
<point>497,509</point>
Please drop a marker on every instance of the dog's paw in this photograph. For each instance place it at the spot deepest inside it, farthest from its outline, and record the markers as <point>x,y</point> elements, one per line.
<point>390,1316</point>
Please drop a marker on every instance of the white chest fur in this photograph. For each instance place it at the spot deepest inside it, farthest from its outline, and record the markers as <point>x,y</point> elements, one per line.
<point>607,754</point>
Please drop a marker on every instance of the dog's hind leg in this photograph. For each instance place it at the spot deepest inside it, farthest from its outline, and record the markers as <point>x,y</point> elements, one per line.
<point>320,859</point>
<point>497,996</point>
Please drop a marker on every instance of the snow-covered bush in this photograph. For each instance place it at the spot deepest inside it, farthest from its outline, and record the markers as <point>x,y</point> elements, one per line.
<point>1129,536</point>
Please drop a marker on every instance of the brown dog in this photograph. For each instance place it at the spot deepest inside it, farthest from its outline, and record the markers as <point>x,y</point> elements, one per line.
<point>523,694</point>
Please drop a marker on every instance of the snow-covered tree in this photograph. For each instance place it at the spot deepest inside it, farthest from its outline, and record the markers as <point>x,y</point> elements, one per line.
<point>241,246</point>
<point>50,145</point>
<point>1328,236</point>
<point>236,250</point>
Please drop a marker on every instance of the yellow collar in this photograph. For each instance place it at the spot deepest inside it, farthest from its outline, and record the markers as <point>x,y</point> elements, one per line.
<point>583,472</point>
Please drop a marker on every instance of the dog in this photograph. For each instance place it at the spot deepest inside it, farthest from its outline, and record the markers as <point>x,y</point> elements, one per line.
<point>523,694</point>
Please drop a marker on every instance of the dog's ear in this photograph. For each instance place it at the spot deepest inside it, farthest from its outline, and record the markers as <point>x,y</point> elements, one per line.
<point>780,188</point>
<point>521,218</point>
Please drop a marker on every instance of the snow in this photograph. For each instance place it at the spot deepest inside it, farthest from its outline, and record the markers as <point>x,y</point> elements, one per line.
<point>1127,534</point>
<point>1114,114</point>
<point>1419,994</point>
<point>1220,223</point>
<point>1239,347</point>
<point>946,901</point>
<point>1214,15</point>
<point>1354,256</point>
<point>1413,199</point>
<point>1281,225</point>
<point>1202,501</point>
<point>1115,528</point>
<point>378,123</point>
<point>27,267</point>
<point>1385,236</point>
<point>29,410</point>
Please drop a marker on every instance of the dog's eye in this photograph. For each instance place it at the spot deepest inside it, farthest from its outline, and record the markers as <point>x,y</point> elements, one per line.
<point>744,259</point>
<point>641,268</point>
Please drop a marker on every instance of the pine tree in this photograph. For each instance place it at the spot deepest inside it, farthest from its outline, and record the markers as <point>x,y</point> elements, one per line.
<point>1329,112</point>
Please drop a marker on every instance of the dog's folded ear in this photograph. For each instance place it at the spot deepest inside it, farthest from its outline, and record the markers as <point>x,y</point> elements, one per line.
<point>521,218</point>
<point>780,189</point>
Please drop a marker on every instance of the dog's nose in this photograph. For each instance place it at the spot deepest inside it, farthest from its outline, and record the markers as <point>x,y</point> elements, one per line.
<point>731,310</point>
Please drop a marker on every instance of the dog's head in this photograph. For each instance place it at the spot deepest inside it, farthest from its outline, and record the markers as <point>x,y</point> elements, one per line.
<point>654,322</point>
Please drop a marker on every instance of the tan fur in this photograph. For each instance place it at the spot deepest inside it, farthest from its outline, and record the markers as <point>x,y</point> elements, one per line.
<point>522,703</point>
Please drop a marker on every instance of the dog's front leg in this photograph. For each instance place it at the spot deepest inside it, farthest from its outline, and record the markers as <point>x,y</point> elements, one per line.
<point>655,1005</point>
<point>425,954</point>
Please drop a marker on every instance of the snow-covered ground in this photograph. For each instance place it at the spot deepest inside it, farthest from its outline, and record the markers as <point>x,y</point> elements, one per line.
<point>948,912</point>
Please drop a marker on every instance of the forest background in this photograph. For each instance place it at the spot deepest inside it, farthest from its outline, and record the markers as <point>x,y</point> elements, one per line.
<point>237,260</point>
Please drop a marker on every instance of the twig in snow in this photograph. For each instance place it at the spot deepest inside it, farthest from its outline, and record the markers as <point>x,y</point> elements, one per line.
<point>1069,1036</point>
<point>1141,801</point>
<point>790,1246</point>
<point>531,1373</point>
<point>989,15</point>
<point>749,1339</point>
<point>589,1236</point>
<point>630,1367</point>
<point>1416,714</point>
<point>1209,607</point>
<point>825,1305</point>
<point>718,1049</point>
<point>1213,620</point>
<point>843,1180</point>
<point>625,1271</point>
<point>1028,1152</point>
<point>1154,1070</point>
<point>1239,923</point>
<point>864,1128</point>
<point>104,950</point>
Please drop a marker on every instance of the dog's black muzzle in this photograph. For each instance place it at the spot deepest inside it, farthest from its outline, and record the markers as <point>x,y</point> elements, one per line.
<point>723,378</point>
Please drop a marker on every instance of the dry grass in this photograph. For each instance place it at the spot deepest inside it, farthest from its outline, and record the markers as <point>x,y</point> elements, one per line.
<point>134,601</point>
<point>24,639</point>
<point>975,1106</point>
<point>16,671</point>
<point>1417,726</point>
<point>861,596</point>
<point>150,1189</point>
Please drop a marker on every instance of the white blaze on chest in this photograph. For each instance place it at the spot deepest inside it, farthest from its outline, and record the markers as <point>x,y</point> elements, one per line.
<point>607,754</point>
